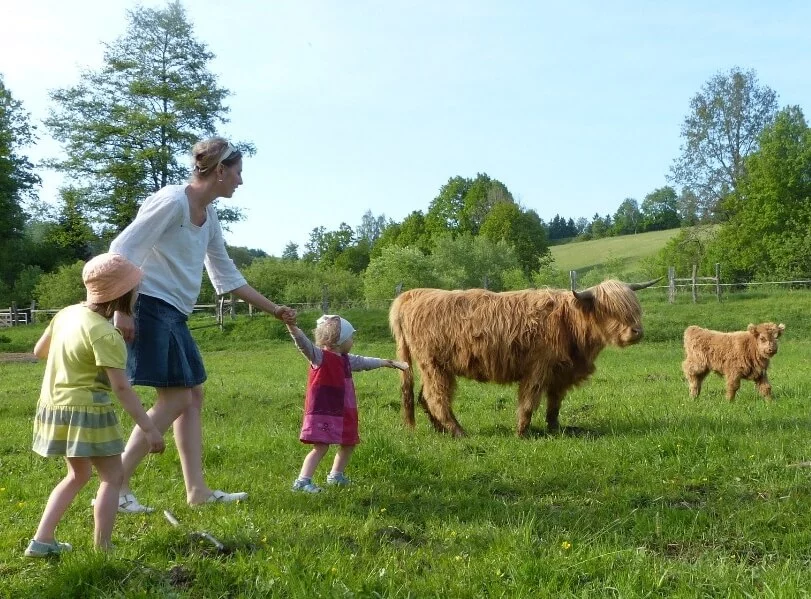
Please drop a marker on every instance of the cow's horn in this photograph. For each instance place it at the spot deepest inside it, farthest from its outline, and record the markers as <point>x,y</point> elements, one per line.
<point>638,286</point>
<point>586,294</point>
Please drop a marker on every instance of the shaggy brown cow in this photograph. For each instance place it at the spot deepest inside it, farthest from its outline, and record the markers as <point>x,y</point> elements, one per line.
<point>545,339</point>
<point>736,356</point>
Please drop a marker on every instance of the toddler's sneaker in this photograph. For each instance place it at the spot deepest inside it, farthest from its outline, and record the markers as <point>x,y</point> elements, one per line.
<point>306,485</point>
<point>338,478</point>
<point>37,549</point>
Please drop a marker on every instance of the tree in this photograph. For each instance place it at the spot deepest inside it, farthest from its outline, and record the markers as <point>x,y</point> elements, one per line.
<point>371,227</point>
<point>767,235</point>
<point>290,251</point>
<point>465,262</point>
<point>660,209</point>
<point>627,218</point>
<point>71,232</point>
<point>406,266</point>
<point>17,182</point>
<point>726,117</point>
<point>522,230</point>
<point>126,126</point>
<point>463,205</point>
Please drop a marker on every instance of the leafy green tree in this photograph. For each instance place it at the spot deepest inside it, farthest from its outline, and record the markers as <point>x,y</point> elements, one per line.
<point>688,208</point>
<point>371,227</point>
<point>17,183</point>
<point>72,232</point>
<point>463,205</point>
<point>465,262</point>
<point>290,251</point>
<point>660,210</point>
<point>244,256</point>
<point>411,232</point>
<point>522,230</point>
<point>25,285</point>
<point>768,233</point>
<point>126,126</point>
<point>61,288</point>
<point>355,257</point>
<point>725,120</point>
<point>298,281</point>
<point>406,266</point>
<point>627,218</point>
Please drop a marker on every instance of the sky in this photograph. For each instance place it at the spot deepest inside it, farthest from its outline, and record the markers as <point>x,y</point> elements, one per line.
<point>373,105</point>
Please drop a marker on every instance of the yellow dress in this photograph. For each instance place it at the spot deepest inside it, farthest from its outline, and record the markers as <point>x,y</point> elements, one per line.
<point>75,416</point>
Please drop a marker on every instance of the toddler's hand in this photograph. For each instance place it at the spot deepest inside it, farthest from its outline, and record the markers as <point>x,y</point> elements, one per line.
<point>397,364</point>
<point>155,440</point>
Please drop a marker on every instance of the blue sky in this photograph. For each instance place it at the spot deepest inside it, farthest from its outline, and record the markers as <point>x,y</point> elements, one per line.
<point>361,105</point>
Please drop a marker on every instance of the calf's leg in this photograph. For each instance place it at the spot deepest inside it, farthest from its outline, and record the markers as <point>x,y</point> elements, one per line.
<point>764,387</point>
<point>695,375</point>
<point>733,384</point>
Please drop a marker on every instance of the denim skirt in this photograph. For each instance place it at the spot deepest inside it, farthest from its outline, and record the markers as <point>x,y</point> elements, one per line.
<point>163,353</point>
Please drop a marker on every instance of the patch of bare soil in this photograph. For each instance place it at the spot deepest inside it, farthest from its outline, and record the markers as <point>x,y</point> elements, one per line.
<point>12,357</point>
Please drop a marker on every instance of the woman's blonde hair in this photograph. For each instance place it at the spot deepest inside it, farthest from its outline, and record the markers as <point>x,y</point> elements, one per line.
<point>207,154</point>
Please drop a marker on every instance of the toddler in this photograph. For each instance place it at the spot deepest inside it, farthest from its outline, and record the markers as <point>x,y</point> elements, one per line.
<point>330,409</point>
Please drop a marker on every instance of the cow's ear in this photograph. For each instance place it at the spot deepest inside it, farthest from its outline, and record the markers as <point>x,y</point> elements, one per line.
<point>751,328</point>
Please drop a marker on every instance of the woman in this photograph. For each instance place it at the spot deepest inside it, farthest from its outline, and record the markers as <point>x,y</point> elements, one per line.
<point>175,234</point>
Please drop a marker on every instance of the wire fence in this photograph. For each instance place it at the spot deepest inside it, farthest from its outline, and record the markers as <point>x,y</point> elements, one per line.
<point>231,307</point>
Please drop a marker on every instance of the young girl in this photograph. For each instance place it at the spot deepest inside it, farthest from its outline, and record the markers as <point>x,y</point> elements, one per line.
<point>75,418</point>
<point>330,409</point>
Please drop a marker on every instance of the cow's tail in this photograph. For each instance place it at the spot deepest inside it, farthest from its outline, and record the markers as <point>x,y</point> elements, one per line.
<point>403,354</point>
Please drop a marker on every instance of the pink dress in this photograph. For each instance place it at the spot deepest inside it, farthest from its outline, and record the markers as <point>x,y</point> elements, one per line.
<point>330,407</point>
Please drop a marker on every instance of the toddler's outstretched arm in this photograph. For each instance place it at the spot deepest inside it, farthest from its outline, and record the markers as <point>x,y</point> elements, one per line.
<point>304,345</point>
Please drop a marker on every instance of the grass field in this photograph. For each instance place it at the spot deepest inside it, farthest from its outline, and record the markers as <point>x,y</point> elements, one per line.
<point>629,250</point>
<point>663,497</point>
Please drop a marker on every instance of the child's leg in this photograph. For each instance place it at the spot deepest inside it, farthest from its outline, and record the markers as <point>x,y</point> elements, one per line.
<point>61,497</point>
<point>342,458</point>
<point>312,460</point>
<point>111,475</point>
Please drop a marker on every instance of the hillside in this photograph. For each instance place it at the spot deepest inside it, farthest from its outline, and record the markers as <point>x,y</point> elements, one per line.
<point>630,249</point>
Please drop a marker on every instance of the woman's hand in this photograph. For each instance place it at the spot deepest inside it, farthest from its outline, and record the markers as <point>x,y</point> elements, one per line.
<point>285,314</point>
<point>125,324</point>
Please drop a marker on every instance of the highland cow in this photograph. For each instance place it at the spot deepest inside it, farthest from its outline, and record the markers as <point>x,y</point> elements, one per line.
<point>736,356</point>
<point>546,340</point>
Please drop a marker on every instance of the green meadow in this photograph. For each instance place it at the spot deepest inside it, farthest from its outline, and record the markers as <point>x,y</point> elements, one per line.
<point>627,250</point>
<point>652,495</point>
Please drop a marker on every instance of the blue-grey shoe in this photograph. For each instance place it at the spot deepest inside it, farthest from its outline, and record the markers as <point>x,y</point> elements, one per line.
<point>37,549</point>
<point>338,478</point>
<point>306,486</point>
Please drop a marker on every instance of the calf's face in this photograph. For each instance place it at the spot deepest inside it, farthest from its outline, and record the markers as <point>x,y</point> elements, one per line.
<point>765,336</point>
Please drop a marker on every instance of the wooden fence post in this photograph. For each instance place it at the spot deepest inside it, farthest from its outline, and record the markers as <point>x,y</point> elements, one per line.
<point>398,289</point>
<point>14,315</point>
<point>573,280</point>
<point>232,307</point>
<point>33,307</point>
<point>718,281</point>
<point>695,288</point>
<point>324,299</point>
<point>220,308</point>
<point>485,282</point>
<point>671,284</point>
